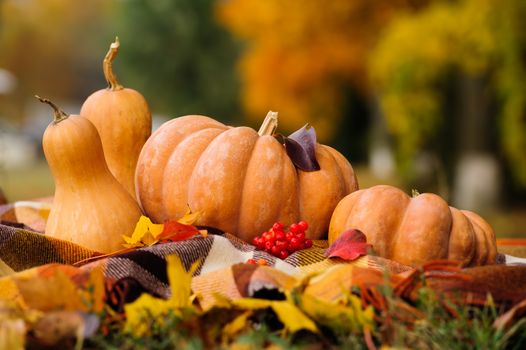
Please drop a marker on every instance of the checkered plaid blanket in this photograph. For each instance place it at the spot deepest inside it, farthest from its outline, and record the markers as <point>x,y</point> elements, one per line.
<point>25,251</point>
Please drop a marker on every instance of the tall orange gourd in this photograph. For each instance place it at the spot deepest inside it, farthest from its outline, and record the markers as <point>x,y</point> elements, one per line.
<point>123,120</point>
<point>90,207</point>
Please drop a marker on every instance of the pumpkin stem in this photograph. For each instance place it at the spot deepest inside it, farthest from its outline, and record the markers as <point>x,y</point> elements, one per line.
<point>59,116</point>
<point>269,125</point>
<point>107,66</point>
<point>414,193</point>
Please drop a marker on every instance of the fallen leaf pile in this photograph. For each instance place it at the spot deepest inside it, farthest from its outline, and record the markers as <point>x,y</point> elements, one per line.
<point>147,233</point>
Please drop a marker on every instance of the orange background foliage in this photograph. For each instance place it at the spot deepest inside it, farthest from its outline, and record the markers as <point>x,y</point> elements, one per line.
<point>300,54</point>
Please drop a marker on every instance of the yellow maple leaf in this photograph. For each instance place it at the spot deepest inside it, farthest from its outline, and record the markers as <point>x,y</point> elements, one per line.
<point>144,312</point>
<point>289,314</point>
<point>145,233</point>
<point>190,217</point>
<point>237,325</point>
<point>292,317</point>
<point>252,303</point>
<point>147,309</point>
<point>52,292</point>
<point>350,317</point>
<point>180,281</point>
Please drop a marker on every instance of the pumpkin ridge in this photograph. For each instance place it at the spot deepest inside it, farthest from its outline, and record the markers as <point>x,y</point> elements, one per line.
<point>155,154</point>
<point>218,166</point>
<point>339,172</point>
<point>378,191</point>
<point>320,192</point>
<point>191,174</point>
<point>331,168</point>
<point>489,235</point>
<point>467,261</point>
<point>245,170</point>
<point>426,237</point>
<point>286,162</point>
<point>342,163</point>
<point>393,238</point>
<point>336,225</point>
<point>270,195</point>
<point>356,194</point>
<point>480,255</point>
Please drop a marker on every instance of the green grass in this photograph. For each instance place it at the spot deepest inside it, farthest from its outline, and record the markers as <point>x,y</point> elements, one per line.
<point>470,328</point>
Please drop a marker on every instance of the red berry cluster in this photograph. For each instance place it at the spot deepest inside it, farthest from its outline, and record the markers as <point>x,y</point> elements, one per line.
<point>281,242</point>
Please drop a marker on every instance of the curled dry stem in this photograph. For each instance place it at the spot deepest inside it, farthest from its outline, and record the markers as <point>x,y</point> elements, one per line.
<point>107,66</point>
<point>59,115</point>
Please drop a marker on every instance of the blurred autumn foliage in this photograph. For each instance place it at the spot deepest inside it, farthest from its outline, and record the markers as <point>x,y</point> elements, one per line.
<point>179,57</point>
<point>436,77</point>
<point>418,54</point>
<point>172,51</point>
<point>302,56</point>
<point>406,58</point>
<point>50,48</point>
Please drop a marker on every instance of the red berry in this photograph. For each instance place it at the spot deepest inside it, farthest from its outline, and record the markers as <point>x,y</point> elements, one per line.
<point>258,241</point>
<point>278,226</point>
<point>308,243</point>
<point>281,244</point>
<point>280,236</point>
<point>251,261</point>
<point>275,250</point>
<point>283,254</point>
<point>294,228</point>
<point>294,243</point>
<point>269,238</point>
<point>261,245</point>
<point>289,236</point>
<point>303,225</point>
<point>300,236</point>
<point>268,245</point>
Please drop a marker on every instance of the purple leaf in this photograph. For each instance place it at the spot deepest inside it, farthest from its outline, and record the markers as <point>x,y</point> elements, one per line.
<point>301,148</point>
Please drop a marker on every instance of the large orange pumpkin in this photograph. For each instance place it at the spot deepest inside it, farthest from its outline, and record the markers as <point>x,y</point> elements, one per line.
<point>240,180</point>
<point>413,230</point>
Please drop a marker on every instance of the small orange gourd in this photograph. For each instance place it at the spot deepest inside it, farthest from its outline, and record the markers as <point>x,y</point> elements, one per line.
<point>413,230</point>
<point>90,207</point>
<point>242,181</point>
<point>123,120</point>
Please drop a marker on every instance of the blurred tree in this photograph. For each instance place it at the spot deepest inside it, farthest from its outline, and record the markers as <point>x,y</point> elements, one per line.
<point>178,57</point>
<point>304,57</point>
<point>479,42</point>
<point>50,47</point>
